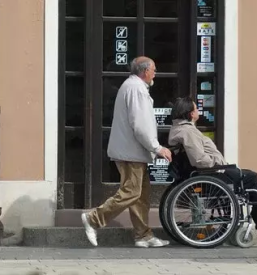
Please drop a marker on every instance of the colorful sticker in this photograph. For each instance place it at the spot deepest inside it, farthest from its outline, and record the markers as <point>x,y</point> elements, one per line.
<point>206,49</point>
<point>206,28</point>
<point>206,86</point>
<point>205,67</point>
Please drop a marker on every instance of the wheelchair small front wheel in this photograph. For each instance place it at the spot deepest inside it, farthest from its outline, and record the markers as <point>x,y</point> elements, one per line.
<point>240,238</point>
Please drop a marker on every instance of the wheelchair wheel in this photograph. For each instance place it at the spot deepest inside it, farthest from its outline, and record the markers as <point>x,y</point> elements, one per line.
<point>232,238</point>
<point>163,210</point>
<point>203,212</point>
<point>240,238</point>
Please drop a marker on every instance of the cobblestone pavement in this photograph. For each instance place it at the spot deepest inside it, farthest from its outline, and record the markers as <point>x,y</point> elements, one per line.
<point>128,261</point>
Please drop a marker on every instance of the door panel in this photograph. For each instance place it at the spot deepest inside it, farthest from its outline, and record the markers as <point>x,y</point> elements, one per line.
<point>97,41</point>
<point>161,44</point>
<point>153,8</point>
<point>120,8</point>
<point>119,40</point>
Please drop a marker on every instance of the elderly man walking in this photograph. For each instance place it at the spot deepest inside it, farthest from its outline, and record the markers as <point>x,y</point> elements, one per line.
<point>133,143</point>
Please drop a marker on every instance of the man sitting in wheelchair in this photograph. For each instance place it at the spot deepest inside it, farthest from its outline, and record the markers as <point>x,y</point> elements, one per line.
<point>201,150</point>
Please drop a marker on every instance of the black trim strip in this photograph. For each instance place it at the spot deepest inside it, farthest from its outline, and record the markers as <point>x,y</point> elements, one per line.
<point>74,128</point>
<point>119,19</point>
<point>208,19</point>
<point>167,127</point>
<point>160,20</point>
<point>220,68</point>
<point>74,74</point>
<point>74,19</point>
<point>105,73</point>
<point>173,75</point>
<point>193,48</point>
<point>140,28</point>
<point>88,112</point>
<point>96,104</point>
<point>61,104</point>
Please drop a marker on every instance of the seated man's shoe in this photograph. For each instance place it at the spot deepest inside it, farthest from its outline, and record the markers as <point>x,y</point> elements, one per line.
<point>153,242</point>
<point>90,231</point>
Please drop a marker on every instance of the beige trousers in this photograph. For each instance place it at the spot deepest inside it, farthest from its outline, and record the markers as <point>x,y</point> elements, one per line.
<point>134,193</point>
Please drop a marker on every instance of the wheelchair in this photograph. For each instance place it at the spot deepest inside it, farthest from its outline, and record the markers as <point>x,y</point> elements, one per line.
<point>204,208</point>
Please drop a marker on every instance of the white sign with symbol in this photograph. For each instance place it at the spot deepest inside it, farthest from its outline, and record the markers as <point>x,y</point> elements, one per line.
<point>205,67</point>
<point>121,58</point>
<point>121,32</point>
<point>162,111</point>
<point>121,45</point>
<point>159,162</point>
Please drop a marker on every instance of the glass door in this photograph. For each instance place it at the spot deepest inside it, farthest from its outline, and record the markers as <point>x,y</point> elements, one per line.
<point>97,41</point>
<point>123,30</point>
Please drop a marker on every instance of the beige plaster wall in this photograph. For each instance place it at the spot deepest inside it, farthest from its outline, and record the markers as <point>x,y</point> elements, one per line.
<point>247,84</point>
<point>22,90</point>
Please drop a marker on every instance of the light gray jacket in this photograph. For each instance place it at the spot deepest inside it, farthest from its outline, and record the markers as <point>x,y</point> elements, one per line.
<point>134,131</point>
<point>201,150</point>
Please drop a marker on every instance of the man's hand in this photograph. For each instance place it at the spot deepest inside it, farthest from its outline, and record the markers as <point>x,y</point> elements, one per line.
<point>165,153</point>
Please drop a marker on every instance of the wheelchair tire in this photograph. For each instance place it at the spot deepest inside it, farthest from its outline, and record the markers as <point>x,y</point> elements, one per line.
<point>239,237</point>
<point>163,211</point>
<point>216,238</point>
<point>232,238</point>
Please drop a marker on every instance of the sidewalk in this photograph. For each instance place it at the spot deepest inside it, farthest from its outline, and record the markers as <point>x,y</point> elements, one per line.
<point>128,261</point>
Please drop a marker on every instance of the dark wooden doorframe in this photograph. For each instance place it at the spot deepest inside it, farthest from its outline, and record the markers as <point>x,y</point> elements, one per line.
<point>89,54</point>
<point>101,191</point>
<point>61,106</point>
<point>220,75</point>
<point>95,191</point>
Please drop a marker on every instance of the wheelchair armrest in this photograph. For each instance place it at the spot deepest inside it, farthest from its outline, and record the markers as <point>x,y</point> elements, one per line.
<point>174,148</point>
<point>218,167</point>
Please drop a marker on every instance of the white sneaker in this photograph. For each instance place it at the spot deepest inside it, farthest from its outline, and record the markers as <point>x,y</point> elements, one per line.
<point>153,242</point>
<point>90,231</point>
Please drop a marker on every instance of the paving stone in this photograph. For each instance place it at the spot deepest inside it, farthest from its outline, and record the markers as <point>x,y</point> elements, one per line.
<point>105,261</point>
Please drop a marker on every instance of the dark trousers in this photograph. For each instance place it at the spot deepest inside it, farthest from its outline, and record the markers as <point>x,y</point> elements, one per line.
<point>249,182</point>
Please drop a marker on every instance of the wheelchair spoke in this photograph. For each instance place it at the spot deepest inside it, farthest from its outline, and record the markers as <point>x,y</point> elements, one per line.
<point>191,201</point>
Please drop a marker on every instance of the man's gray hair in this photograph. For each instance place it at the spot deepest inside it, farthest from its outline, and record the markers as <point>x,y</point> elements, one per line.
<point>137,67</point>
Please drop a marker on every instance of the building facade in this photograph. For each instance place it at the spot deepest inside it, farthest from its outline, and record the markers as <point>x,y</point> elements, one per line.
<point>61,65</point>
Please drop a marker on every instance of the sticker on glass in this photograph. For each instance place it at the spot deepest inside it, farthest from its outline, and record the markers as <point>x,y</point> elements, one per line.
<point>201,3</point>
<point>205,8</point>
<point>121,32</point>
<point>207,100</point>
<point>206,86</point>
<point>161,115</point>
<point>121,45</point>
<point>121,58</point>
<point>205,67</point>
<point>162,111</point>
<point>159,162</point>
<point>206,28</point>
<point>206,49</point>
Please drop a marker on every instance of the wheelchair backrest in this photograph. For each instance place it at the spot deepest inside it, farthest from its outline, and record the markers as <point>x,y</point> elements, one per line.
<point>180,167</point>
